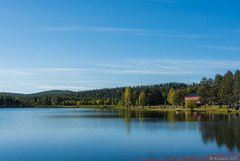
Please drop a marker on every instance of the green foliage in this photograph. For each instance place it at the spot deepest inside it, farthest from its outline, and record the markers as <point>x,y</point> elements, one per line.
<point>121,103</point>
<point>178,96</point>
<point>216,96</point>
<point>157,94</point>
<point>204,90</point>
<point>223,90</point>
<point>170,96</point>
<point>135,96</point>
<point>236,86</point>
<point>127,97</point>
<point>227,88</point>
<point>191,104</point>
<point>142,99</point>
<point>137,102</point>
<point>108,102</point>
<point>236,107</point>
<point>148,97</point>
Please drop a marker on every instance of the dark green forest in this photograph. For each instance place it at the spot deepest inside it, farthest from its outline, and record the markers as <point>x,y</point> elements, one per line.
<point>222,90</point>
<point>157,94</point>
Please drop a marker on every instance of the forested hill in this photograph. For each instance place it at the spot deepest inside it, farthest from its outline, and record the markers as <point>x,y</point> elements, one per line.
<point>48,93</point>
<point>222,90</point>
<point>11,94</point>
<point>52,92</point>
<point>108,96</point>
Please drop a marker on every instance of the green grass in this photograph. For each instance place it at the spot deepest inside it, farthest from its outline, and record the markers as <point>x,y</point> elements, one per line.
<point>213,108</point>
<point>180,108</point>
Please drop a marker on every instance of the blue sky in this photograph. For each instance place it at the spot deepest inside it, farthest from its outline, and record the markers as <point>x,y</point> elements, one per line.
<point>91,44</point>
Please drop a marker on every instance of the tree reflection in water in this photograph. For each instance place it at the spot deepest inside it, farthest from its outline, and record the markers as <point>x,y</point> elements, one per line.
<point>222,128</point>
<point>225,130</point>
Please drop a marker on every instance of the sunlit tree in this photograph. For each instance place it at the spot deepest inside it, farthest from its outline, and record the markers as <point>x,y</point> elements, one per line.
<point>127,97</point>
<point>191,104</point>
<point>170,96</point>
<point>142,99</point>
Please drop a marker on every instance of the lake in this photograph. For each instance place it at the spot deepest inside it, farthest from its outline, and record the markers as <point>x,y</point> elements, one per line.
<point>64,134</point>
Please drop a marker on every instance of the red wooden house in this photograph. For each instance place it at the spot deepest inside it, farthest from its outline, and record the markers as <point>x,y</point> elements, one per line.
<point>192,96</point>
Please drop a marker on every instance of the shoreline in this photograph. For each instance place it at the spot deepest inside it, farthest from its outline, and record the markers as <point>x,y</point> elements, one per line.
<point>145,108</point>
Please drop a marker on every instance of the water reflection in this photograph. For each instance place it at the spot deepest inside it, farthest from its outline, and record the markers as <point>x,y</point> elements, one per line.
<point>222,128</point>
<point>226,132</point>
<point>107,134</point>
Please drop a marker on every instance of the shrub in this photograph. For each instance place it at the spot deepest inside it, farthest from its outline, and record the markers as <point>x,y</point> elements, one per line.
<point>236,107</point>
<point>191,104</point>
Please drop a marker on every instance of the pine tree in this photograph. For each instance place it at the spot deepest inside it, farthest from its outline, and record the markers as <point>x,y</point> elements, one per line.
<point>135,95</point>
<point>204,91</point>
<point>236,86</point>
<point>216,96</point>
<point>227,88</point>
<point>148,96</point>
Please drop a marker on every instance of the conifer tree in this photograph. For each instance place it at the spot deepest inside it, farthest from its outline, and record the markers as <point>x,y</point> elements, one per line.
<point>227,88</point>
<point>236,86</point>
<point>216,96</point>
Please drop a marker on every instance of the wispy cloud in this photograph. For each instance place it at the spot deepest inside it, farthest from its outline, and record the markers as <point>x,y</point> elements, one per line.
<point>63,87</point>
<point>61,70</point>
<point>116,73</point>
<point>132,31</point>
<point>219,47</point>
<point>170,66</point>
<point>174,34</point>
<point>14,72</point>
<point>28,84</point>
<point>82,81</point>
<point>187,35</point>
<point>144,72</point>
<point>197,63</point>
<point>97,29</point>
<point>43,71</point>
<point>131,66</point>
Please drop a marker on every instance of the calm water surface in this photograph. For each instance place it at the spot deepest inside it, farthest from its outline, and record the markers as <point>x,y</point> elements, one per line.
<point>28,134</point>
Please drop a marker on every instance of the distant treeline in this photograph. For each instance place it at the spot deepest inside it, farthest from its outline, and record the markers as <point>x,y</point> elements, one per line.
<point>156,95</point>
<point>222,90</point>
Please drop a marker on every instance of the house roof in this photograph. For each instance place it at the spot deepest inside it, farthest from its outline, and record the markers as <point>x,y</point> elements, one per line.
<point>192,95</point>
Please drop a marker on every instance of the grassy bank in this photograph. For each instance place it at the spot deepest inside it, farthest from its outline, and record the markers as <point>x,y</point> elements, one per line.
<point>75,106</point>
<point>180,108</point>
<point>147,108</point>
<point>177,108</point>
